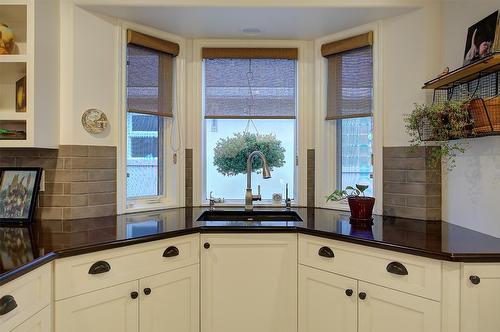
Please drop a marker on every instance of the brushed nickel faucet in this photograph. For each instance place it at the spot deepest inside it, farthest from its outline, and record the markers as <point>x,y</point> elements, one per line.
<point>266,174</point>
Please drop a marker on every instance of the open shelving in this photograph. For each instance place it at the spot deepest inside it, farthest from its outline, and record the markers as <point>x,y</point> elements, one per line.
<point>33,22</point>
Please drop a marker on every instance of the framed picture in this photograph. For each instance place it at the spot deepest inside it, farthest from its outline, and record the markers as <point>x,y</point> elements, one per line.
<point>18,193</point>
<point>483,39</point>
<point>21,95</point>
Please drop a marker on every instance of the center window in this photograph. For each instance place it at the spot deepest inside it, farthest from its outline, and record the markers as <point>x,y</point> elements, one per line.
<point>249,104</point>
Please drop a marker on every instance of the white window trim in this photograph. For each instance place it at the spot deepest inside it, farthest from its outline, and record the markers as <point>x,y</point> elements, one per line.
<point>326,146</point>
<point>173,176</point>
<point>304,121</point>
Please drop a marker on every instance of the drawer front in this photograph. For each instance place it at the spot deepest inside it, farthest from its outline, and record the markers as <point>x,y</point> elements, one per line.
<point>412,274</point>
<point>31,293</point>
<point>81,274</point>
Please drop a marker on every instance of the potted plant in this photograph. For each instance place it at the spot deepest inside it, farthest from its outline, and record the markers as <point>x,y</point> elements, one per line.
<point>443,124</point>
<point>231,153</point>
<point>360,205</point>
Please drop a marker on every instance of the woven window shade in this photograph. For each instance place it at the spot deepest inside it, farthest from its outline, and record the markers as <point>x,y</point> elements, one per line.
<point>153,43</point>
<point>250,53</point>
<point>227,94</point>
<point>350,84</point>
<point>149,81</point>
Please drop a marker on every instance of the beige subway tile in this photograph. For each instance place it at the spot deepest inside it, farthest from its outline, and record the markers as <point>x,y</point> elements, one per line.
<point>102,175</point>
<point>73,150</point>
<point>55,213</point>
<point>91,163</point>
<point>102,151</point>
<point>99,199</point>
<point>45,163</point>
<point>61,175</point>
<point>86,212</point>
<point>53,188</point>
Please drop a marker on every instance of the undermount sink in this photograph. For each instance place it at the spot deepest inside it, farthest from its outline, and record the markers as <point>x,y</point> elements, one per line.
<point>278,216</point>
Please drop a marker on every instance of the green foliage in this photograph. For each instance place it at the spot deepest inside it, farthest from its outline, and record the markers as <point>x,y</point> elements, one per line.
<point>339,195</point>
<point>231,153</point>
<point>446,122</point>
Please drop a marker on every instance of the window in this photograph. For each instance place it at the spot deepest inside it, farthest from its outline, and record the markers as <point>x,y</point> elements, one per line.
<point>149,93</point>
<point>249,104</point>
<point>350,99</point>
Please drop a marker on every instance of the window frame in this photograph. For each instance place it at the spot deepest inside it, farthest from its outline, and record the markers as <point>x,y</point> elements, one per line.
<point>303,122</point>
<point>172,172</point>
<point>326,134</point>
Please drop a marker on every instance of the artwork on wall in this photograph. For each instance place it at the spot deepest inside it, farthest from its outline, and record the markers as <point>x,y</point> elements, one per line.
<point>18,193</point>
<point>7,42</point>
<point>21,95</point>
<point>483,38</point>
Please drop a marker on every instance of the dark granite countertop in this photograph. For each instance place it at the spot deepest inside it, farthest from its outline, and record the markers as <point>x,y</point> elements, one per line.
<point>23,248</point>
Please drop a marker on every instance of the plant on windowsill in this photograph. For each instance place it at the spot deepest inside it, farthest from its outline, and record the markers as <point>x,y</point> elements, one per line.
<point>360,205</point>
<point>231,153</point>
<point>440,125</point>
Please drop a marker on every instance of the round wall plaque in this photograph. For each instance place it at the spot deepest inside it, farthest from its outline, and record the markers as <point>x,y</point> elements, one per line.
<point>94,121</point>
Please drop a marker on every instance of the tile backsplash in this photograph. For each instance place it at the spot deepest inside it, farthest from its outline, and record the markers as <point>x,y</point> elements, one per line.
<point>80,180</point>
<point>412,187</point>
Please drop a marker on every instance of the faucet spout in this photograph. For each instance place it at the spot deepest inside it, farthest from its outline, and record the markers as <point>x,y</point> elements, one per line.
<point>266,174</point>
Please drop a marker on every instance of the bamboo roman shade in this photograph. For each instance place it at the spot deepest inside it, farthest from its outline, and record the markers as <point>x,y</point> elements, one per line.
<point>241,87</point>
<point>250,53</point>
<point>150,67</point>
<point>350,77</point>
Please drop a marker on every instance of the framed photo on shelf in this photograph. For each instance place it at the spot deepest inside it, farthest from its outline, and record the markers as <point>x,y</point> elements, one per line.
<point>21,95</point>
<point>483,39</point>
<point>19,189</point>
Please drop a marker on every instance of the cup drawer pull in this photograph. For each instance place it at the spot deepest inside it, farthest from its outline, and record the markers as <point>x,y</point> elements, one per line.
<point>7,304</point>
<point>397,268</point>
<point>99,267</point>
<point>171,252</point>
<point>326,252</point>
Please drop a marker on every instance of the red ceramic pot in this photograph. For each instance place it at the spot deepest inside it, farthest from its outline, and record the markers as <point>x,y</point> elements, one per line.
<point>361,207</point>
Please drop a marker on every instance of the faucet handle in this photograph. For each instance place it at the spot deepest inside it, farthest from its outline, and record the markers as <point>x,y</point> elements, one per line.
<point>258,190</point>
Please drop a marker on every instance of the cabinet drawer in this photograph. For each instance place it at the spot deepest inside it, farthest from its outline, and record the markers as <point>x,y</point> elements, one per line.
<point>81,274</point>
<point>31,292</point>
<point>423,276</point>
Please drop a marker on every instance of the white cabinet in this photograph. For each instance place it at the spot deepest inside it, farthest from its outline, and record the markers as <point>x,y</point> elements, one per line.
<point>249,282</point>
<point>112,309</point>
<point>387,310</point>
<point>40,322</point>
<point>170,301</point>
<point>327,302</point>
<point>480,298</point>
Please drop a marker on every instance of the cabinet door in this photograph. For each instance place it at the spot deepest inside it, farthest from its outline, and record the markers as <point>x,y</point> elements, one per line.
<point>327,302</point>
<point>170,301</point>
<point>249,283</point>
<point>387,310</point>
<point>40,322</point>
<point>107,310</point>
<point>480,298</point>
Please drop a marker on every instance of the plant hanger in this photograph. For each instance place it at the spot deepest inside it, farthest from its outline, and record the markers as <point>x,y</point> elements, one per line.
<point>251,100</point>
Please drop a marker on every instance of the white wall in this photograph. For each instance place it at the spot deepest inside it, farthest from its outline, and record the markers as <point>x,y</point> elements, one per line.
<point>470,191</point>
<point>411,50</point>
<point>89,74</point>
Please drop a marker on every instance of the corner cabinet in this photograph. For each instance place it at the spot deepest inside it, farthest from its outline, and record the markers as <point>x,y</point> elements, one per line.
<point>249,282</point>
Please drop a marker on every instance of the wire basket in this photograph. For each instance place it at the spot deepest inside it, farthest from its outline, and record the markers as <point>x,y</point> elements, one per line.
<point>425,132</point>
<point>479,114</point>
<point>493,109</point>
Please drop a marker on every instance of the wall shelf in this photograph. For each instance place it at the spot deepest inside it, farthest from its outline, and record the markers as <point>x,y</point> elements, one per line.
<point>466,74</point>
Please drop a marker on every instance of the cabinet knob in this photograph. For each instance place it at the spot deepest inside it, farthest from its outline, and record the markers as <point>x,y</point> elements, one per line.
<point>362,295</point>
<point>475,280</point>
<point>171,252</point>
<point>100,267</point>
<point>7,304</point>
<point>326,252</point>
<point>147,291</point>
<point>206,245</point>
<point>348,292</point>
<point>134,295</point>
<point>397,268</point>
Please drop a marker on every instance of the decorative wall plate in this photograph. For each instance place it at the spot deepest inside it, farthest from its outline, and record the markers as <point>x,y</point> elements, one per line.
<point>94,121</point>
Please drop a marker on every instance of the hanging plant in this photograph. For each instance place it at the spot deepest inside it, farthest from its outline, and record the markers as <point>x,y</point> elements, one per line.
<point>231,153</point>
<point>442,124</point>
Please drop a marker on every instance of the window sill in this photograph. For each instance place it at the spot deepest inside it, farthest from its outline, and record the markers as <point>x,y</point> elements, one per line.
<point>143,206</point>
<point>241,203</point>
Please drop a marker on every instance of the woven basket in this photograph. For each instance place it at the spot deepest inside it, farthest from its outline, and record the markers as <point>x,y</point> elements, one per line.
<point>493,108</point>
<point>425,131</point>
<point>479,114</point>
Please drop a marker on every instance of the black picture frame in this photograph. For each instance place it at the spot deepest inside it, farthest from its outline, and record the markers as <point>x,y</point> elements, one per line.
<point>483,39</point>
<point>14,180</point>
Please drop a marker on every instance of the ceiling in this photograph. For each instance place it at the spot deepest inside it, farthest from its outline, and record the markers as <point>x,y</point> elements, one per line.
<point>227,22</point>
